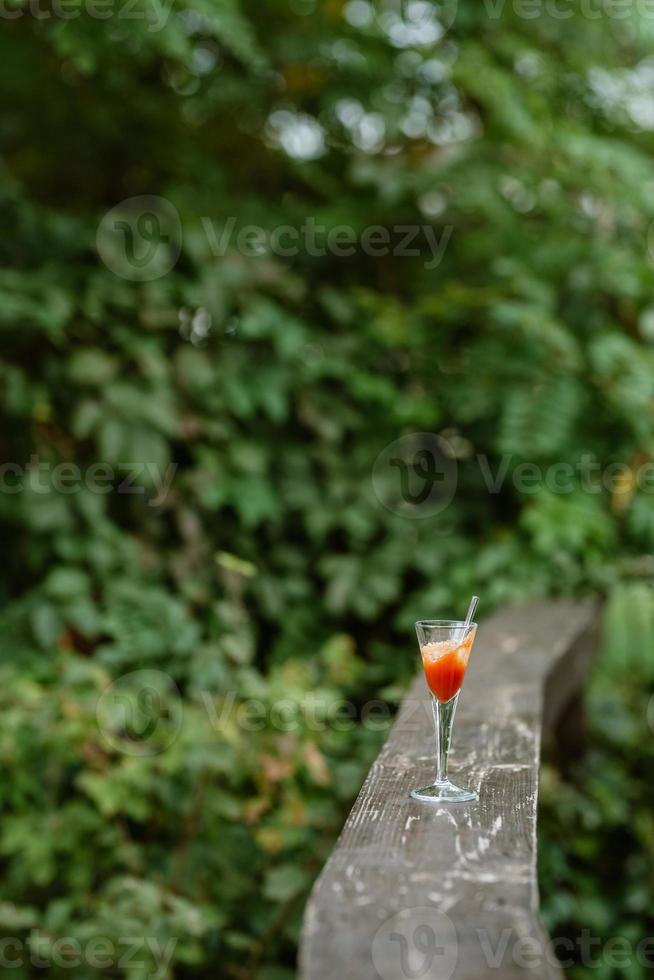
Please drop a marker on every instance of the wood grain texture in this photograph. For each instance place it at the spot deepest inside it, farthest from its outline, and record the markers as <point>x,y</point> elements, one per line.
<point>415,891</point>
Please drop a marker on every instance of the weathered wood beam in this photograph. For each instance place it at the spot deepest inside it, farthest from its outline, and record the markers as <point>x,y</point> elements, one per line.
<point>414,890</point>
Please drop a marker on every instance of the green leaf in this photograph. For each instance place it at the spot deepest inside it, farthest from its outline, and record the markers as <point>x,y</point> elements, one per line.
<point>285,882</point>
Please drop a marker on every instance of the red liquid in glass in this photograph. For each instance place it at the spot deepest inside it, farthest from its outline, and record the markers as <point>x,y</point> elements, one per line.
<point>445,666</point>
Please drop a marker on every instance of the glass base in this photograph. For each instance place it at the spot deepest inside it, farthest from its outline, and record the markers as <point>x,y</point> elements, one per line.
<point>443,793</point>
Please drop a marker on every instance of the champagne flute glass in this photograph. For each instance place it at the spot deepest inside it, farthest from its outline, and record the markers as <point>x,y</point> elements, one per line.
<point>445,646</point>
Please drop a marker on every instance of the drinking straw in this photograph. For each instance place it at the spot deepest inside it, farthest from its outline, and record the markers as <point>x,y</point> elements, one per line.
<point>471,610</point>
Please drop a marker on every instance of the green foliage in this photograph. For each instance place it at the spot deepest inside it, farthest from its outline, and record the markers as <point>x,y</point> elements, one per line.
<point>225,419</point>
<point>596,833</point>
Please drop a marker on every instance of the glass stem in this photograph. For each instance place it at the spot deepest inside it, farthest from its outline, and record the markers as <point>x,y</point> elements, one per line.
<point>443,720</point>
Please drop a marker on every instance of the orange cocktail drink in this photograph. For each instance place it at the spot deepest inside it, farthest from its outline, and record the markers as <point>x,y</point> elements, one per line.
<point>445,646</point>
<point>444,663</point>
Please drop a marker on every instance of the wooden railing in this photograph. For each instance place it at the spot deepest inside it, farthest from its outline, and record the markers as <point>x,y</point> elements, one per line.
<point>414,891</point>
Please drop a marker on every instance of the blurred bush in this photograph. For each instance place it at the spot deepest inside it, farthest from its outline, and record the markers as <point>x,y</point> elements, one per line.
<point>238,404</point>
<point>596,833</point>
